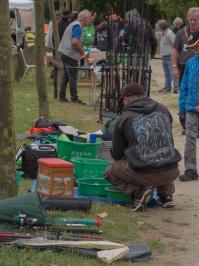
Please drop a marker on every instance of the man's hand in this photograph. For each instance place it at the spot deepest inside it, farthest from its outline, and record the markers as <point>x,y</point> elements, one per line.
<point>175,72</point>
<point>197,108</point>
<point>182,120</point>
<point>83,54</point>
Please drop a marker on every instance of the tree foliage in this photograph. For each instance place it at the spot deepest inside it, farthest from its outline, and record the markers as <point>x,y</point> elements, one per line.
<point>171,8</point>
<point>157,9</point>
<point>168,9</point>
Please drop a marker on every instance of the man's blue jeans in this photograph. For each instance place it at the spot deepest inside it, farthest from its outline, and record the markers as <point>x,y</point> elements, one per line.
<point>167,67</point>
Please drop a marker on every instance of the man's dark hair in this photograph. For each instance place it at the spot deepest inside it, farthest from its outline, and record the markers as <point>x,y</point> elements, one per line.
<point>97,22</point>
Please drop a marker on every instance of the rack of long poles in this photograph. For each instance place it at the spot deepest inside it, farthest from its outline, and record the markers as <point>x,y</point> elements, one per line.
<point>128,56</point>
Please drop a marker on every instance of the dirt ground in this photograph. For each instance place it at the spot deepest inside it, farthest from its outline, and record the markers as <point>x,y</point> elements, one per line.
<point>176,228</point>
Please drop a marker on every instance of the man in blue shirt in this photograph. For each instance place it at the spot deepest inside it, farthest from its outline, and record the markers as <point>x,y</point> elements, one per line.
<point>72,52</point>
<point>189,108</point>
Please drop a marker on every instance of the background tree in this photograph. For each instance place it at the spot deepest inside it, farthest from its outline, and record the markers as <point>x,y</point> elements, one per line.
<point>7,131</point>
<point>76,4</point>
<point>57,60</point>
<point>101,7</point>
<point>39,60</point>
<point>171,9</point>
<point>65,5</point>
<point>168,9</point>
<point>62,5</point>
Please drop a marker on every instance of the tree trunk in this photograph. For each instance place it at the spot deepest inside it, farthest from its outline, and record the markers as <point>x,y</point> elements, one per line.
<point>55,26</point>
<point>76,5</point>
<point>64,5</point>
<point>57,70</point>
<point>68,5</point>
<point>7,131</point>
<point>39,60</point>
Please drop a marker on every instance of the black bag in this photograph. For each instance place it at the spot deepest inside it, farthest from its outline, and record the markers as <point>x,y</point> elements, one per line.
<point>43,122</point>
<point>31,153</point>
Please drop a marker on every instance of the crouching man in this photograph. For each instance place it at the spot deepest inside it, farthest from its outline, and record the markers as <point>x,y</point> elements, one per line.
<point>143,150</point>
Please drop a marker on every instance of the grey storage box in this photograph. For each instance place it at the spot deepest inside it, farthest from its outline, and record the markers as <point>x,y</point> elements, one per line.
<point>104,152</point>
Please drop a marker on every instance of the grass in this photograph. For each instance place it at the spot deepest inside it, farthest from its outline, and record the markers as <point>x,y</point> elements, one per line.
<point>120,225</point>
<point>156,245</point>
<point>26,107</point>
<point>13,256</point>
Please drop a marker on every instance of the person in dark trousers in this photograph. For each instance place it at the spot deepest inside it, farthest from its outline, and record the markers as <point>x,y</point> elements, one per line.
<point>62,25</point>
<point>64,22</point>
<point>72,52</point>
<point>166,42</point>
<point>180,55</point>
<point>143,150</point>
<point>189,108</point>
<point>49,43</point>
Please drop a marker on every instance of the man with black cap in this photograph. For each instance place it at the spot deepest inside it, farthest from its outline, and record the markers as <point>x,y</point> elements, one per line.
<point>189,109</point>
<point>64,22</point>
<point>143,150</point>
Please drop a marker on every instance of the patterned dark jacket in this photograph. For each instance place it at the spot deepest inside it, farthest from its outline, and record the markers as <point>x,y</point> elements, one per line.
<point>143,136</point>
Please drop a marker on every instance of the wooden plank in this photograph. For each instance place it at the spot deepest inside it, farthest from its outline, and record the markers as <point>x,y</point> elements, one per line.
<point>110,256</point>
<point>104,245</point>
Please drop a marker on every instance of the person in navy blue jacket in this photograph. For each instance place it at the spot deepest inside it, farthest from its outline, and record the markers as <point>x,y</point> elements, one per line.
<point>189,109</point>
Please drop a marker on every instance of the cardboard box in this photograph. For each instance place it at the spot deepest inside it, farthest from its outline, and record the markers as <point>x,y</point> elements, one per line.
<point>93,57</point>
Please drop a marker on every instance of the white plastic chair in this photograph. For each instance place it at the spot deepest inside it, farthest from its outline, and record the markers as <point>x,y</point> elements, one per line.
<point>28,68</point>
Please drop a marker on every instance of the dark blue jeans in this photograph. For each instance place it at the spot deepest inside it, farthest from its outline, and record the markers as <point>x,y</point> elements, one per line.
<point>70,75</point>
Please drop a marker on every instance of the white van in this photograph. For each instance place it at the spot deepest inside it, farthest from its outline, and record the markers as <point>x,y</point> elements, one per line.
<point>17,28</point>
<point>21,17</point>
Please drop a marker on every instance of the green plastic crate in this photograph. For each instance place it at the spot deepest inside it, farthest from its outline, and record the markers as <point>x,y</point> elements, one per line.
<point>71,149</point>
<point>90,168</point>
<point>92,186</point>
<point>113,193</point>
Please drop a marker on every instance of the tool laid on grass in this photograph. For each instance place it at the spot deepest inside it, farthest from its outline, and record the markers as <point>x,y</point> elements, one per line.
<point>22,220</point>
<point>70,221</point>
<point>76,230</point>
<point>26,212</point>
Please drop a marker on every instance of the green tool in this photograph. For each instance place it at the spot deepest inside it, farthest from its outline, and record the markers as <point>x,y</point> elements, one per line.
<point>70,221</point>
